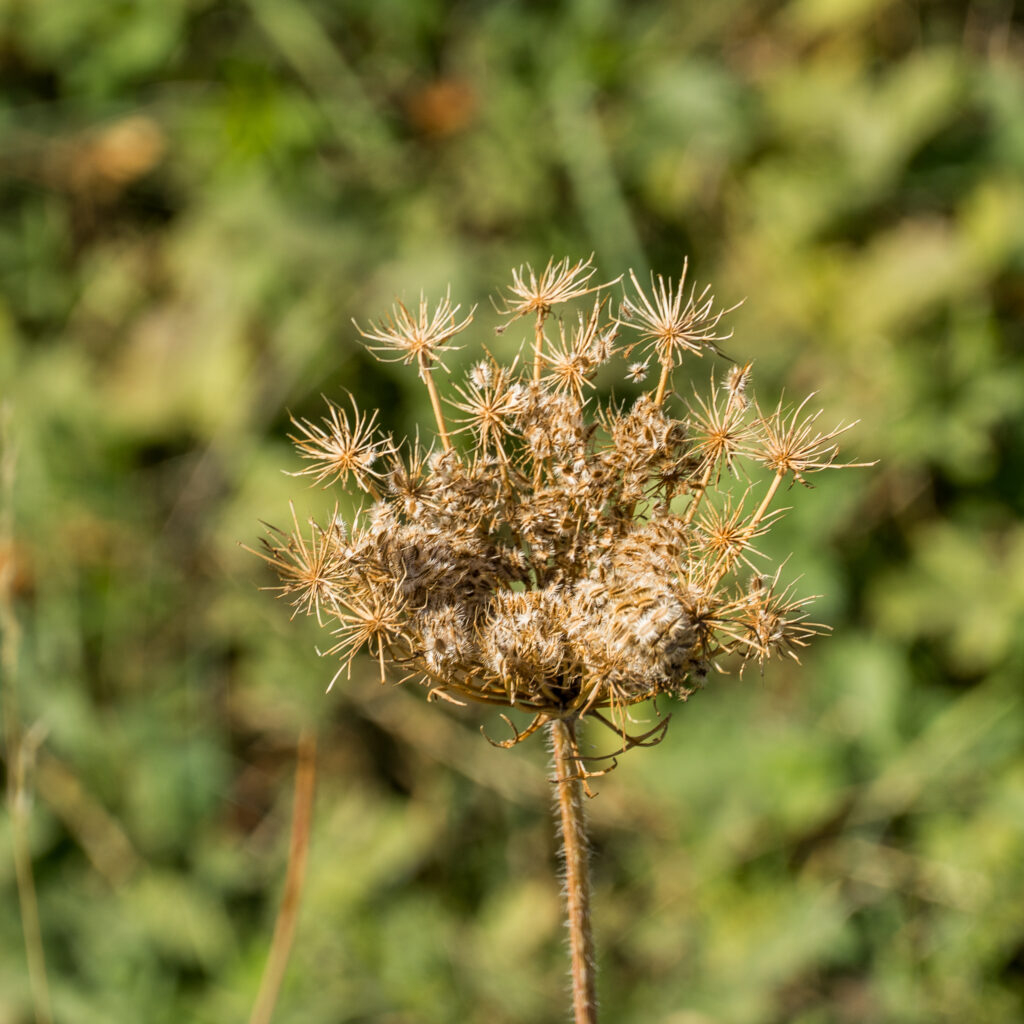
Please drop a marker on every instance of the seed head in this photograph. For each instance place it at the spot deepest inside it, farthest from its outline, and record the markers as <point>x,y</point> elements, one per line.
<point>557,553</point>
<point>559,282</point>
<point>671,322</point>
<point>338,448</point>
<point>788,442</point>
<point>415,337</point>
<point>311,572</point>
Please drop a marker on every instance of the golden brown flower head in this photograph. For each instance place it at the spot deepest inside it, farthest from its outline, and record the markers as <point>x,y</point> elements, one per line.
<point>311,572</point>
<point>415,337</point>
<point>555,553</point>
<point>672,322</point>
<point>559,282</point>
<point>338,448</point>
<point>790,444</point>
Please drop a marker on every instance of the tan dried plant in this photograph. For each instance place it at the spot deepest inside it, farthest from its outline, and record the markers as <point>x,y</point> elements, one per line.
<point>552,553</point>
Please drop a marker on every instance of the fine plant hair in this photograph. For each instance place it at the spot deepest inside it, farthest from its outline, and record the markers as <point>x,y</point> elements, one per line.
<point>549,551</point>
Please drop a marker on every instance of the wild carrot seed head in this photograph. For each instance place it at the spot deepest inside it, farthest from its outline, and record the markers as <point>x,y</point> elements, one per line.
<point>557,553</point>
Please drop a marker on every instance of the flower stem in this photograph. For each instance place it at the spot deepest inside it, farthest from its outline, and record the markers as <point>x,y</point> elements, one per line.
<point>569,798</point>
<point>435,401</point>
<point>538,344</point>
<point>659,395</point>
<point>701,490</point>
<point>752,525</point>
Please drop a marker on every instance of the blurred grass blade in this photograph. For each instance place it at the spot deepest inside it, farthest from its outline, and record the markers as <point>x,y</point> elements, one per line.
<point>18,749</point>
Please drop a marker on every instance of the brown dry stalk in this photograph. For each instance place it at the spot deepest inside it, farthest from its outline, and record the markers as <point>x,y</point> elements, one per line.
<point>538,344</point>
<point>435,402</point>
<point>287,915</point>
<point>576,853</point>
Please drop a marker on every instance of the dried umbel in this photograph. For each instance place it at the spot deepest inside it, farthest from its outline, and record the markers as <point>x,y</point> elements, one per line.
<point>549,552</point>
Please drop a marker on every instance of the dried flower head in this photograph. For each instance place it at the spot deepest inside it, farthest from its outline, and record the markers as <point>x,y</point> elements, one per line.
<point>556,554</point>
<point>339,448</point>
<point>559,282</point>
<point>310,571</point>
<point>415,337</point>
<point>672,323</point>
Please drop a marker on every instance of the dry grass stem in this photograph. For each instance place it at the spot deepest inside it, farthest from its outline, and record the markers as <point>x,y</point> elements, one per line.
<point>287,916</point>
<point>19,745</point>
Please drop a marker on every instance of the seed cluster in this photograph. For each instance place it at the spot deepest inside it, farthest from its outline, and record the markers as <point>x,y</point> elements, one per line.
<point>547,551</point>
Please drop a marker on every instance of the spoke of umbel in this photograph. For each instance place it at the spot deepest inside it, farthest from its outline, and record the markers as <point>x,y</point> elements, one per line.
<point>569,797</point>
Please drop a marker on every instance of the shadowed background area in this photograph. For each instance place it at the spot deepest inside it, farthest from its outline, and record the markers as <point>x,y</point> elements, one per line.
<point>198,195</point>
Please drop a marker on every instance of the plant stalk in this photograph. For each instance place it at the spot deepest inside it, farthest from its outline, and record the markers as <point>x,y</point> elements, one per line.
<point>575,851</point>
<point>287,917</point>
<point>435,401</point>
<point>538,344</point>
<point>659,395</point>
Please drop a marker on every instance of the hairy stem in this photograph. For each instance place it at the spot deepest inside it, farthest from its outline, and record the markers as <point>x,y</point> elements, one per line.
<point>569,797</point>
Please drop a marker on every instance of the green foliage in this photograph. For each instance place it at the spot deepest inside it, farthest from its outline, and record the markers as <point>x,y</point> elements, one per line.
<point>198,197</point>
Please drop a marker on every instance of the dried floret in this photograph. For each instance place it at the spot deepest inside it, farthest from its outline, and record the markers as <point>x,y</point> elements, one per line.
<point>415,337</point>
<point>310,572</point>
<point>559,282</point>
<point>339,449</point>
<point>673,323</point>
<point>489,404</point>
<point>790,444</point>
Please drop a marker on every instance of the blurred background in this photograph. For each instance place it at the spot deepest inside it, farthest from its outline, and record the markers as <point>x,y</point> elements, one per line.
<point>196,197</point>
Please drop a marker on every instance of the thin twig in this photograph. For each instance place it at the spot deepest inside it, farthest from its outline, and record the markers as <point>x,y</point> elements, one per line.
<point>287,915</point>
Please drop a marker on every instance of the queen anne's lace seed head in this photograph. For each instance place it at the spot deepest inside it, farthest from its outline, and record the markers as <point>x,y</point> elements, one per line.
<point>555,553</point>
<point>417,336</point>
